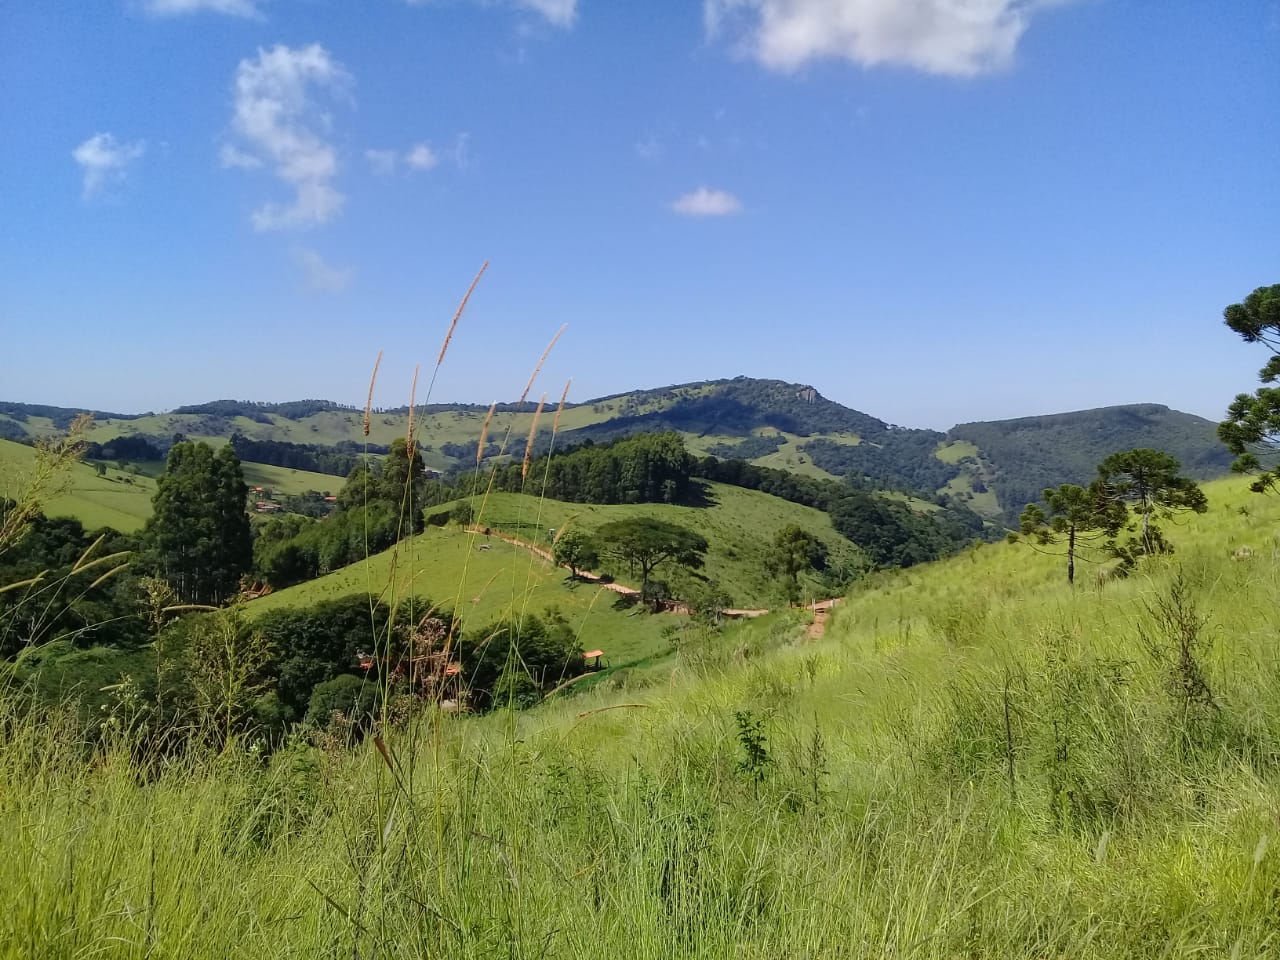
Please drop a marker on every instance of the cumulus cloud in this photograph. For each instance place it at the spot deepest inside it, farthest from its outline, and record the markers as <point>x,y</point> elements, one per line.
<point>319,273</point>
<point>104,160</point>
<point>705,202</point>
<point>948,37</point>
<point>280,124</point>
<point>561,13</point>
<point>173,8</point>
<point>421,157</point>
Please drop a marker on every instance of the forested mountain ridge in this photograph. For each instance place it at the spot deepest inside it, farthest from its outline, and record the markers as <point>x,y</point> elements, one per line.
<point>993,467</point>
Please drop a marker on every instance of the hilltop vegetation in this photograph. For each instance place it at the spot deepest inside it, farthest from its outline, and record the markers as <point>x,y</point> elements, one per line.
<point>768,422</point>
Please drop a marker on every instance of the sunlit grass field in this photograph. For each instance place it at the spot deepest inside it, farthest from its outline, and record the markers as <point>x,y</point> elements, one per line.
<point>974,761</point>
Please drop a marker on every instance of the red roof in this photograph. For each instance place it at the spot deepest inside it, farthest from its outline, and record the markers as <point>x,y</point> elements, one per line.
<point>592,654</point>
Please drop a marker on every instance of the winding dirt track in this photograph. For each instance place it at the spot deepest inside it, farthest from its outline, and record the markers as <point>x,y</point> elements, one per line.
<point>821,608</point>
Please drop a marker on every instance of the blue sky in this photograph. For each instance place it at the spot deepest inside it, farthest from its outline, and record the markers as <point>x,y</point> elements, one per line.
<point>935,211</point>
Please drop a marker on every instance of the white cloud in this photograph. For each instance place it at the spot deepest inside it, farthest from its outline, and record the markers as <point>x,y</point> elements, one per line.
<point>104,160</point>
<point>421,157</point>
<point>279,123</point>
<point>235,158</point>
<point>705,202</point>
<point>382,162</point>
<point>173,8</point>
<point>319,273</point>
<point>949,37</point>
<point>561,13</point>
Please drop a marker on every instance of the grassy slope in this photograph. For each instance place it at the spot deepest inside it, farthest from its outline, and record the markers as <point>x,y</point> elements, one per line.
<point>884,818</point>
<point>117,500</point>
<point>447,567</point>
<point>738,527</point>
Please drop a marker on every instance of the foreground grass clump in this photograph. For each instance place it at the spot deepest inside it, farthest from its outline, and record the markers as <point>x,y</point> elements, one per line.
<point>974,761</point>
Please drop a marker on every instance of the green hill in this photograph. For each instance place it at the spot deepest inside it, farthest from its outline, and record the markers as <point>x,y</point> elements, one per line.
<point>117,499</point>
<point>993,467</point>
<point>445,563</point>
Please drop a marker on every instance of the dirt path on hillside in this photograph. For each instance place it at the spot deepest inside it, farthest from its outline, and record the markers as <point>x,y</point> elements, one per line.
<point>821,608</point>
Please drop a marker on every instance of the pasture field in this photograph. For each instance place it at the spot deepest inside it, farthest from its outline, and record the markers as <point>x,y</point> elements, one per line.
<point>484,579</point>
<point>975,761</point>
<point>118,500</point>
<point>738,525</point>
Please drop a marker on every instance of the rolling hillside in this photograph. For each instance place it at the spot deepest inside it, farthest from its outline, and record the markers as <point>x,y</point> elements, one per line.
<point>737,525</point>
<point>993,467</point>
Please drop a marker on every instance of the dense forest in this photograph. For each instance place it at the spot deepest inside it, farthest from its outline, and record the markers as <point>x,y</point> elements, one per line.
<point>1032,453</point>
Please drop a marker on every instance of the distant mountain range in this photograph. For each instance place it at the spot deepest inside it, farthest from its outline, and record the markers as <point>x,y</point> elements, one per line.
<point>994,467</point>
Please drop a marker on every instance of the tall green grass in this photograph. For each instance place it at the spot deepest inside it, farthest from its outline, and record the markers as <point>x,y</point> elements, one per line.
<point>975,761</point>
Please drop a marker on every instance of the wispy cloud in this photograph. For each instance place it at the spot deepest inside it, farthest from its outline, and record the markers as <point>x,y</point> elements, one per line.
<point>104,160</point>
<point>382,162</point>
<point>705,202</point>
<point>319,273</point>
<point>650,148</point>
<point>236,159</point>
<point>948,37</point>
<point>280,123</point>
<point>561,13</point>
<point>421,157</point>
<point>174,8</point>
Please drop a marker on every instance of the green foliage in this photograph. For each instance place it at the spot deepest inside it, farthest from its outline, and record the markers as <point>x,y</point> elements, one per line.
<point>897,460</point>
<point>892,535</point>
<point>1149,480</point>
<point>355,699</point>
<point>650,468</point>
<point>1076,514</point>
<point>322,642</point>
<point>647,544</point>
<point>1252,428</point>
<point>748,449</point>
<point>510,662</point>
<point>198,537</point>
<point>792,552</point>
<point>573,548</point>
<point>1028,454</point>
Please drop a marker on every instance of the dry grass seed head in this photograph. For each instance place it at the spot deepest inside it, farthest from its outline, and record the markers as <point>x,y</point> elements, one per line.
<point>555,424</point>
<point>484,432</point>
<point>368,401</point>
<point>528,445</point>
<point>444,347</point>
<point>541,360</point>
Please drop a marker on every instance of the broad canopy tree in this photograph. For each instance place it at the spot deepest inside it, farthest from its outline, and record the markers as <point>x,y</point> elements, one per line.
<point>649,544</point>
<point>1252,428</point>
<point>573,549</point>
<point>1073,514</point>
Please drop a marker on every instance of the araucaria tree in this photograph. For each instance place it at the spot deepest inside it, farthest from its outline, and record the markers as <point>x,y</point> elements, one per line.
<point>794,551</point>
<point>198,538</point>
<point>1148,481</point>
<point>648,544</point>
<point>1252,428</point>
<point>1074,514</point>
